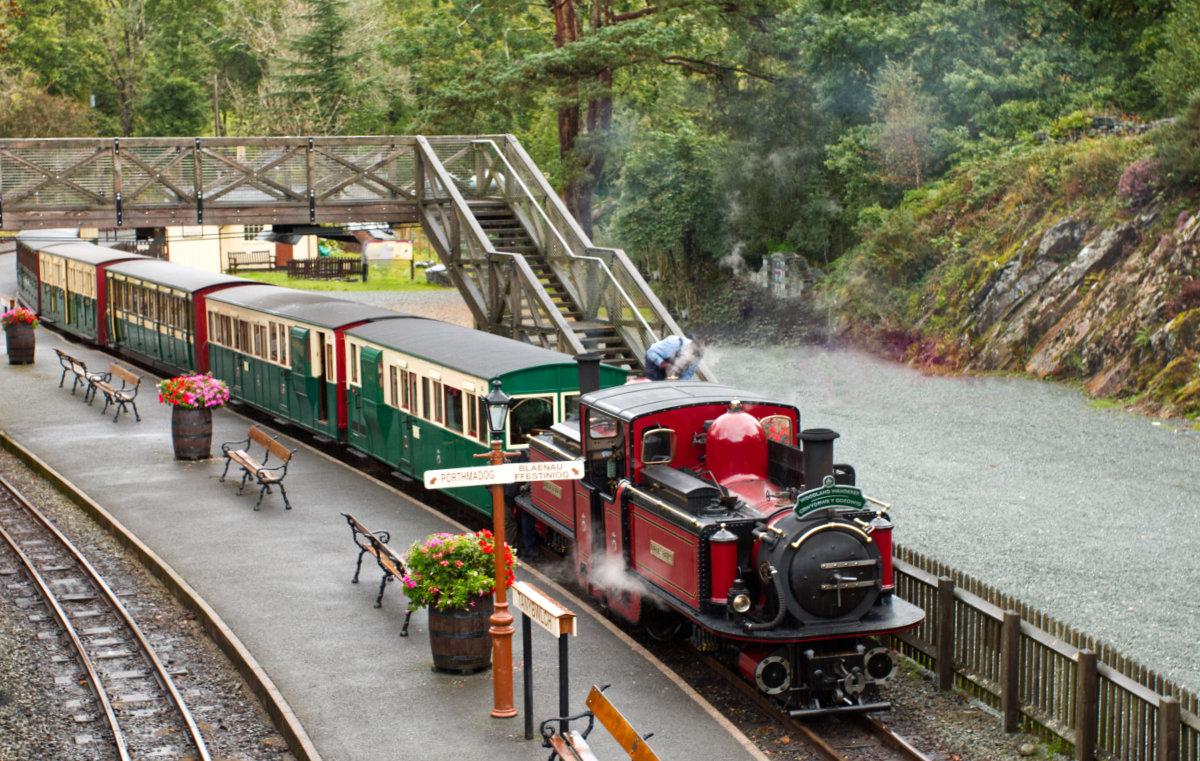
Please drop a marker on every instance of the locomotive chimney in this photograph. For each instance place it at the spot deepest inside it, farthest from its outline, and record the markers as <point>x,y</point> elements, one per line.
<point>818,455</point>
<point>589,372</point>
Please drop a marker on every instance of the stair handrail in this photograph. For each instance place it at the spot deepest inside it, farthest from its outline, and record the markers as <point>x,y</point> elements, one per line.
<point>650,334</point>
<point>618,256</point>
<point>433,163</point>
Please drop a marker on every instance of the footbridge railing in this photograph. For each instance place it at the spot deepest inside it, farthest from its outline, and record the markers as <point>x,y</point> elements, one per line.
<point>300,181</point>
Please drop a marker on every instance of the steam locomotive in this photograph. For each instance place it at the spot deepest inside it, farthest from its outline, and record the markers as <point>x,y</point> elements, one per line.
<point>708,505</point>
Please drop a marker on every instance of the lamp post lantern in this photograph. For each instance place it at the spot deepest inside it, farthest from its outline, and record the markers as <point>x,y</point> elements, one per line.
<point>501,621</point>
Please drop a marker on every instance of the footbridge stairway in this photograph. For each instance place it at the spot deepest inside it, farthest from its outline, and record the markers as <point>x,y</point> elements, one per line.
<point>522,264</point>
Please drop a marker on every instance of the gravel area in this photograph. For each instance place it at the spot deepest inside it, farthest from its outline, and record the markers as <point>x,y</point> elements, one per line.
<point>37,719</point>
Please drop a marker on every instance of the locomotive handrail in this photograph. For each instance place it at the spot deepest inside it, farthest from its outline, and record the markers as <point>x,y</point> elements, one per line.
<point>662,505</point>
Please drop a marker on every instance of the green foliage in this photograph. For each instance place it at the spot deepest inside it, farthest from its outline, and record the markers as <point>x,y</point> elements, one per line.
<point>1176,62</point>
<point>1070,125</point>
<point>316,80</point>
<point>174,106</point>
<point>1179,148</point>
<point>669,213</point>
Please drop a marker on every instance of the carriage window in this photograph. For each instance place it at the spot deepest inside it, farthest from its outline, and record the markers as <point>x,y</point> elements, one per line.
<point>485,433</point>
<point>354,363</point>
<point>658,446</point>
<point>437,402</point>
<point>454,416</point>
<point>472,407</point>
<point>394,385</point>
<point>406,390</point>
<point>570,406</point>
<point>426,407</point>
<point>528,415</point>
<point>779,429</point>
<point>273,335</point>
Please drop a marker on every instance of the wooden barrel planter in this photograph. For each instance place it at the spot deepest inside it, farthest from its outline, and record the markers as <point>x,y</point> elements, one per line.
<point>21,344</point>
<point>459,639</point>
<point>191,433</point>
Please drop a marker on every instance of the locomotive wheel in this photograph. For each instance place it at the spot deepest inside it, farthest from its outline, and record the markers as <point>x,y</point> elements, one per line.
<point>664,625</point>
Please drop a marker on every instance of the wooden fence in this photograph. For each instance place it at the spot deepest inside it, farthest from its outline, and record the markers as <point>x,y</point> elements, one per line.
<point>328,268</point>
<point>1041,675</point>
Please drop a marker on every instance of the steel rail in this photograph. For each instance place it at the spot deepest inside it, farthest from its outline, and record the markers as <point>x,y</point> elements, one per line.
<point>64,621</point>
<point>114,603</point>
<point>820,745</point>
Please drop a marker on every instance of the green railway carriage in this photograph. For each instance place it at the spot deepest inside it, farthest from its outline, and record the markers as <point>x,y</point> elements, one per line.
<point>282,351</point>
<point>29,270</point>
<point>73,286</point>
<point>156,311</point>
<point>415,393</point>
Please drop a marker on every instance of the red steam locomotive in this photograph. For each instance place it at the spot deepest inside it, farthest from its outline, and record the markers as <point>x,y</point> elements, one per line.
<point>707,504</point>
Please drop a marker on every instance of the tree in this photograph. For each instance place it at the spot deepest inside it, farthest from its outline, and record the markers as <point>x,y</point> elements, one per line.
<point>317,82</point>
<point>1178,60</point>
<point>905,120</point>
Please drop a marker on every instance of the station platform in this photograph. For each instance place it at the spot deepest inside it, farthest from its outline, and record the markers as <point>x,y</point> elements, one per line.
<point>281,582</point>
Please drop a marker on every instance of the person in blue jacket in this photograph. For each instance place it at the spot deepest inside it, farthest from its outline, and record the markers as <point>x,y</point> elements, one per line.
<point>673,357</point>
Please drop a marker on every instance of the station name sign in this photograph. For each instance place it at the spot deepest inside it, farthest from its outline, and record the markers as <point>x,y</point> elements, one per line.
<point>509,472</point>
<point>545,612</point>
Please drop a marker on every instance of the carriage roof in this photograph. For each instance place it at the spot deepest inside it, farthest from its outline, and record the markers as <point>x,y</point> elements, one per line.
<point>470,351</point>
<point>88,253</point>
<point>312,307</point>
<point>179,276</point>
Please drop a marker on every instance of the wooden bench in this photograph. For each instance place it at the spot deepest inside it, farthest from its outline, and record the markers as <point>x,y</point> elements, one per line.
<point>121,397</point>
<point>252,260</point>
<point>570,745</point>
<point>264,473</point>
<point>375,544</point>
<point>83,377</point>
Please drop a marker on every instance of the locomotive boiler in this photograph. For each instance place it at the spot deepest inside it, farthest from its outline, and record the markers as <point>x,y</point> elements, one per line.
<point>708,505</point>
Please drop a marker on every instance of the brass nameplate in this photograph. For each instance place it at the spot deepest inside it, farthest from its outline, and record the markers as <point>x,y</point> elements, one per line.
<point>553,489</point>
<point>662,553</point>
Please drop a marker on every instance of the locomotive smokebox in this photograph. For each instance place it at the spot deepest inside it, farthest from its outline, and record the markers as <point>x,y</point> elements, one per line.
<point>818,455</point>
<point>589,372</point>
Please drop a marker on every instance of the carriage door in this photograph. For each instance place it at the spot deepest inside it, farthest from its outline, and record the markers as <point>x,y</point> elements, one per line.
<point>366,432</point>
<point>302,383</point>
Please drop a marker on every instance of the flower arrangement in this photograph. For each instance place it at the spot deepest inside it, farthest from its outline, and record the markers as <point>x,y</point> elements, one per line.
<point>18,316</point>
<point>193,391</point>
<point>449,571</point>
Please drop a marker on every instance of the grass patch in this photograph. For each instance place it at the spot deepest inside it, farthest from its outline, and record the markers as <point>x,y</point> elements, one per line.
<point>381,276</point>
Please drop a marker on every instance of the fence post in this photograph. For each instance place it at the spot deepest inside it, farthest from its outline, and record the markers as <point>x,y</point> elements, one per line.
<point>1010,671</point>
<point>945,633</point>
<point>1087,706</point>
<point>1167,748</point>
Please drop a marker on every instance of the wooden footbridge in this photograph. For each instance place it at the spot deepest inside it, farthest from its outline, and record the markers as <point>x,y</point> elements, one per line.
<point>521,262</point>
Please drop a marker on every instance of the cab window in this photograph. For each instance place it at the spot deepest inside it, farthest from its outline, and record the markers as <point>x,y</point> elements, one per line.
<point>658,446</point>
<point>529,414</point>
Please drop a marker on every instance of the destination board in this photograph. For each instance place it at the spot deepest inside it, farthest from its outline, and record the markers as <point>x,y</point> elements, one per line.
<point>510,472</point>
<point>545,612</point>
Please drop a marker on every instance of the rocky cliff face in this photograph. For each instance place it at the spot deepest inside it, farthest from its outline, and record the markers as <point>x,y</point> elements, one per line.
<point>1115,307</point>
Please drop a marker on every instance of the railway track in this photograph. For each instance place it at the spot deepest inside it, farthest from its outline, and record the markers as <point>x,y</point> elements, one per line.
<point>854,738</point>
<point>99,643</point>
